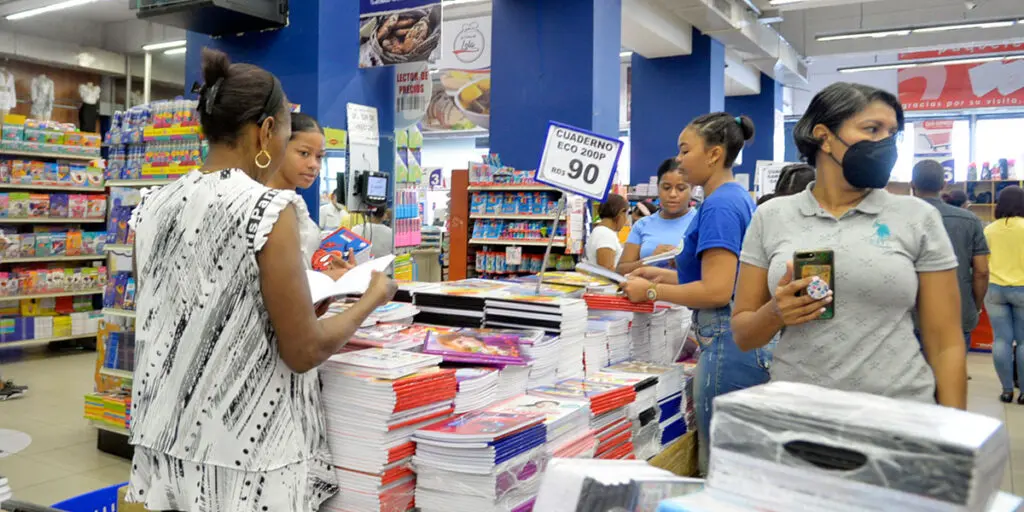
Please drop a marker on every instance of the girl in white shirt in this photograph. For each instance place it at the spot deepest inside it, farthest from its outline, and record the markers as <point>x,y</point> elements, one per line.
<point>603,247</point>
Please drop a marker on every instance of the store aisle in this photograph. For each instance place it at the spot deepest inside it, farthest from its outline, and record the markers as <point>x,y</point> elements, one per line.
<point>62,460</point>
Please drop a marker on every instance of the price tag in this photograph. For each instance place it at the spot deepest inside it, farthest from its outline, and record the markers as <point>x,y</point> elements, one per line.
<point>576,160</point>
<point>513,255</point>
<point>362,125</point>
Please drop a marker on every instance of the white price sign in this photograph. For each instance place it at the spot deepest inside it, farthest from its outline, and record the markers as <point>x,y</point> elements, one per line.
<point>513,255</point>
<point>576,160</point>
<point>362,125</point>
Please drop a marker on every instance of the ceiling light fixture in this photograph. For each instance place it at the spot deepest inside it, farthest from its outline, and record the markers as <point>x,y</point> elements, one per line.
<point>625,55</point>
<point>176,51</point>
<point>935,62</point>
<point>784,2</point>
<point>863,35</point>
<point>906,31</point>
<point>986,24</point>
<point>60,6</point>
<point>164,45</point>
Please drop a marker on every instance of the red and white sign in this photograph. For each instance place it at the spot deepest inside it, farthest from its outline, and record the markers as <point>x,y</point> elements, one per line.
<point>963,86</point>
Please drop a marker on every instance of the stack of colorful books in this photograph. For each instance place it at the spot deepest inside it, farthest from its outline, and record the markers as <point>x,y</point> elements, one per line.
<point>566,420</point>
<point>370,422</point>
<point>388,335</point>
<point>642,413</point>
<point>669,391</point>
<point>595,351</point>
<point>615,324</point>
<point>480,461</point>
<point>478,387</point>
<point>608,412</point>
<point>544,355</point>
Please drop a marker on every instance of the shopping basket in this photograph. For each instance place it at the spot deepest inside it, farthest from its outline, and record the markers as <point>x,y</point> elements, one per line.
<point>100,500</point>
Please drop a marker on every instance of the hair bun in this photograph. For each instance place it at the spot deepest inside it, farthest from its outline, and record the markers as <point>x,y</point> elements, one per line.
<point>747,125</point>
<point>216,66</point>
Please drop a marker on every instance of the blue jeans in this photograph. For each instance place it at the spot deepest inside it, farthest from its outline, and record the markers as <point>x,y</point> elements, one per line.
<point>722,368</point>
<point>1005,305</point>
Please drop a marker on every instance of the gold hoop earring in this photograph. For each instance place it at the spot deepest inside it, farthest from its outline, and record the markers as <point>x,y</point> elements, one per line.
<point>267,155</point>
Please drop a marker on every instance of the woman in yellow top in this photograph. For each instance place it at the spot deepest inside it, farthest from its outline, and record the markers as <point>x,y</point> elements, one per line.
<point>1005,298</point>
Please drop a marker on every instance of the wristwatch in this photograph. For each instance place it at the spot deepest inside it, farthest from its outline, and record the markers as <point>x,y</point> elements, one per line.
<point>652,292</point>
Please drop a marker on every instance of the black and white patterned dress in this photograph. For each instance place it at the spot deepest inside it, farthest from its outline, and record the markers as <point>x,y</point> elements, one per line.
<point>219,421</point>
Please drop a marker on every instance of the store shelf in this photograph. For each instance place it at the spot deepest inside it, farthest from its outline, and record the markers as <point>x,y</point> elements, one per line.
<point>61,188</point>
<point>120,374</point>
<point>48,220</point>
<point>559,242</point>
<point>137,183</point>
<point>109,428</point>
<point>513,216</point>
<point>36,154</point>
<point>124,249</point>
<point>123,313</point>
<point>52,295</point>
<point>44,341</point>
<point>492,188</point>
<point>42,259</point>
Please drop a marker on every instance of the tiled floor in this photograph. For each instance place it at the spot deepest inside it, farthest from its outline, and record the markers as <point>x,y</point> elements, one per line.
<point>62,460</point>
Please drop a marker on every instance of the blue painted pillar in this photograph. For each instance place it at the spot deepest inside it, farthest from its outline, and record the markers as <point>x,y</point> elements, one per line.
<point>552,61</point>
<point>667,93</point>
<point>318,66</point>
<point>761,108</point>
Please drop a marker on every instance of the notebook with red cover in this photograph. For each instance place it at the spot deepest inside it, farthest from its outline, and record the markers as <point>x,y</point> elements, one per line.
<point>601,301</point>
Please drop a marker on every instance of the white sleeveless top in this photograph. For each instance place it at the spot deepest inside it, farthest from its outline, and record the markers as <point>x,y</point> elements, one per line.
<point>210,385</point>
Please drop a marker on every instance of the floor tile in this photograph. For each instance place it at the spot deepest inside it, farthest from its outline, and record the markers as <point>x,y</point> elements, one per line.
<point>49,493</point>
<point>22,472</point>
<point>76,458</point>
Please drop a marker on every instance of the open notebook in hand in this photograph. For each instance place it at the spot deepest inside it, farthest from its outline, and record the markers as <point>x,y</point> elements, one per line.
<point>355,281</point>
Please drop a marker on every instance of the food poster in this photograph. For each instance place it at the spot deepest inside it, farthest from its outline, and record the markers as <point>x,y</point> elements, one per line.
<point>461,97</point>
<point>412,93</point>
<point>395,32</point>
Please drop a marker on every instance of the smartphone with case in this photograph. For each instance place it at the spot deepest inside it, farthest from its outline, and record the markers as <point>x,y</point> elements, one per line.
<point>819,263</point>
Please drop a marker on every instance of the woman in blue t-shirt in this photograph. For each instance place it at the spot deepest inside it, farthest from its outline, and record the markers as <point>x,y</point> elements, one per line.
<point>662,231</point>
<point>705,274</point>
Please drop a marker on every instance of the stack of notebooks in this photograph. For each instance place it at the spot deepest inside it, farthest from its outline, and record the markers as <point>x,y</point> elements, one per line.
<point>640,337</point>
<point>658,347</point>
<point>455,304</point>
<point>478,388</point>
<point>677,322</point>
<point>561,316</point>
<point>587,486</point>
<point>370,421</point>
<point>544,355</point>
<point>616,326</point>
<point>480,462</point>
<point>642,413</point>
<point>407,289</point>
<point>595,351</point>
<point>388,335</point>
<point>512,381</point>
<point>566,421</point>
<point>616,302</point>
<point>396,312</point>
<point>671,420</point>
<point>477,346</point>
<point>608,412</point>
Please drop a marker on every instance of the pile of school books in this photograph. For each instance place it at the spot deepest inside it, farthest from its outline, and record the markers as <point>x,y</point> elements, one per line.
<point>616,326</point>
<point>480,461</point>
<point>388,335</point>
<point>670,420</point>
<point>396,312</point>
<point>512,380</point>
<point>478,387</point>
<point>615,302</point>
<point>476,346</point>
<point>372,409</point>
<point>677,325</point>
<point>455,304</point>
<point>642,413</point>
<point>544,355</point>
<point>608,412</point>
<point>595,351</point>
<point>640,337</point>
<point>587,485</point>
<point>565,420</point>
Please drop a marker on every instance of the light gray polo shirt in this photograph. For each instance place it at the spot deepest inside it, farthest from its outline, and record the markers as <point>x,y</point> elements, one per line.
<point>880,246</point>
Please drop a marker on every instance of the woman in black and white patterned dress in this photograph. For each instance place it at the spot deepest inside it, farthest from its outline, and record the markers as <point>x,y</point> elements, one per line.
<point>226,412</point>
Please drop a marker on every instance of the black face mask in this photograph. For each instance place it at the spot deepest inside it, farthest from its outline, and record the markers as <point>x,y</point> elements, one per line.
<point>869,163</point>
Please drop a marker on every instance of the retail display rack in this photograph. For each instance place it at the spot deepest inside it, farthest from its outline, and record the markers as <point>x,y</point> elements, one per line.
<point>500,223</point>
<point>981,194</point>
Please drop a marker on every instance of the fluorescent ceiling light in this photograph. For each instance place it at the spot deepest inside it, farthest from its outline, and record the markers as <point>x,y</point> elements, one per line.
<point>176,51</point>
<point>906,31</point>
<point>864,35</point>
<point>625,55</point>
<point>936,62</point>
<point>59,6</point>
<point>164,45</point>
<point>784,2</point>
<point>987,24</point>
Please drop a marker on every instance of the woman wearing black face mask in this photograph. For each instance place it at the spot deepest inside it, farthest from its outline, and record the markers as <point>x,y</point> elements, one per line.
<point>890,252</point>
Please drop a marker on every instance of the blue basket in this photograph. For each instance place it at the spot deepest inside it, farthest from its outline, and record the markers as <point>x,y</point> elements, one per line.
<point>100,500</point>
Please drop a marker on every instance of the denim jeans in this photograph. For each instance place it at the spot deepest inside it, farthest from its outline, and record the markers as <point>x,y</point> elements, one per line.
<point>1005,305</point>
<point>722,368</point>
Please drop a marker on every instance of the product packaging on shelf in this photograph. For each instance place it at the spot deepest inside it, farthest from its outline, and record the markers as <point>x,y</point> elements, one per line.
<point>787,446</point>
<point>21,134</point>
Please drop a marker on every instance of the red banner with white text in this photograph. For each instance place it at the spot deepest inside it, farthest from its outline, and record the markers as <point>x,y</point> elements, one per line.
<point>998,83</point>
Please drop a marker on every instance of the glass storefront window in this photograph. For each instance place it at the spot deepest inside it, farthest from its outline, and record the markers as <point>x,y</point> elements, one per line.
<point>999,138</point>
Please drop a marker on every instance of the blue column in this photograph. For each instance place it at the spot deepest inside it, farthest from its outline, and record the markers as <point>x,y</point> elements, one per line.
<point>552,61</point>
<point>318,65</point>
<point>761,108</point>
<point>667,93</point>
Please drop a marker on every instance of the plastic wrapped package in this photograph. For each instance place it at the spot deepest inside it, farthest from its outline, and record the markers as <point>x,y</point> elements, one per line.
<point>574,485</point>
<point>646,440</point>
<point>508,487</point>
<point>789,446</point>
<point>712,500</point>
